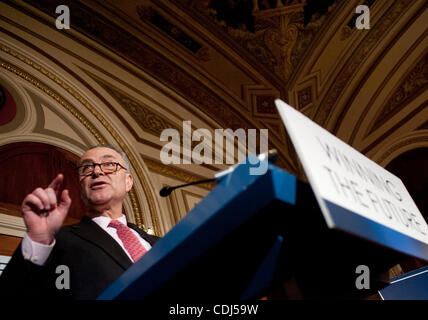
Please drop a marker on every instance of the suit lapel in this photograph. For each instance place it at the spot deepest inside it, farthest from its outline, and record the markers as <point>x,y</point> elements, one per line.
<point>91,232</point>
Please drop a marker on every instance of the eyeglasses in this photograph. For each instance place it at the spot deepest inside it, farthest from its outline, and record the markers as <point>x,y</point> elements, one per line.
<point>106,167</point>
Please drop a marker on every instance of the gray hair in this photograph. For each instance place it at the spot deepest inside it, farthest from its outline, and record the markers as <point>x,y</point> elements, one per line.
<point>119,151</point>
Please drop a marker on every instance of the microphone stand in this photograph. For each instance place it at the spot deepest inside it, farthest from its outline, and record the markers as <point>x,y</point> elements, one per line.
<point>271,155</point>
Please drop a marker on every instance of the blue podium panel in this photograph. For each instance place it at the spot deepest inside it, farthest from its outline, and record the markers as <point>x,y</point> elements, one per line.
<point>232,203</point>
<point>358,225</point>
<point>253,232</point>
<point>409,286</point>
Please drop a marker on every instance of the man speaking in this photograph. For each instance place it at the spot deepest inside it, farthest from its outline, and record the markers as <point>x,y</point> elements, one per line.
<point>78,261</point>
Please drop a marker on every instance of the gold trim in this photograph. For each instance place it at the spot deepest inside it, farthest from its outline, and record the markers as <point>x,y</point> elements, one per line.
<point>410,86</point>
<point>55,96</point>
<point>132,194</point>
<point>127,102</point>
<point>179,174</point>
<point>175,208</point>
<point>337,88</point>
<point>403,143</point>
<point>185,193</point>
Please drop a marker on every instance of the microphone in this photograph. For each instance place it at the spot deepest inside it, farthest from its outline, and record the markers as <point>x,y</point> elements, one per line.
<point>166,191</point>
<point>271,156</point>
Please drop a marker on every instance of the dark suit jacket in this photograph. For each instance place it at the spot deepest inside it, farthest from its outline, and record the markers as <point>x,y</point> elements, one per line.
<point>92,256</point>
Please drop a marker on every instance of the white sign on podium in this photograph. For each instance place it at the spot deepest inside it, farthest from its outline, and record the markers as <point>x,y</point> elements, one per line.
<point>354,193</point>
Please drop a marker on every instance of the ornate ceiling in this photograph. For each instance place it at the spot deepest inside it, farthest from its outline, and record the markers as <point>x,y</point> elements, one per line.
<point>222,64</point>
<point>308,53</point>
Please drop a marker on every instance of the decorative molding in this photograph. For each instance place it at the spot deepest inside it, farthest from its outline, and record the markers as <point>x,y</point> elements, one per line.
<point>265,106</point>
<point>412,141</point>
<point>139,53</point>
<point>304,97</point>
<point>46,89</point>
<point>187,193</point>
<point>277,37</point>
<point>281,35</point>
<point>349,69</point>
<point>12,226</point>
<point>424,126</point>
<point>179,174</point>
<point>148,14</point>
<point>260,101</point>
<point>132,49</point>
<point>380,87</point>
<point>87,124</point>
<point>345,32</point>
<point>414,82</point>
<point>172,203</point>
<point>395,127</point>
<point>149,120</point>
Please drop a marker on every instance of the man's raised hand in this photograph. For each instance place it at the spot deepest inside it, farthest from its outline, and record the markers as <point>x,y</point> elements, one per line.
<point>43,215</point>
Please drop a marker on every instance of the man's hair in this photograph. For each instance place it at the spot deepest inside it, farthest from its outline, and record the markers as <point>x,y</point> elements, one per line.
<point>119,151</point>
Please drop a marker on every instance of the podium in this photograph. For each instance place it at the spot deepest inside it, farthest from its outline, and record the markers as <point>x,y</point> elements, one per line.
<point>255,236</point>
<point>409,286</point>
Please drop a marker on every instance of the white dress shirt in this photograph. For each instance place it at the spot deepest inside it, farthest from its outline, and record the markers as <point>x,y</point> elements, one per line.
<point>38,253</point>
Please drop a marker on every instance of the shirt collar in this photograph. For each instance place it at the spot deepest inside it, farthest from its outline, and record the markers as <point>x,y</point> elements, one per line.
<point>103,221</point>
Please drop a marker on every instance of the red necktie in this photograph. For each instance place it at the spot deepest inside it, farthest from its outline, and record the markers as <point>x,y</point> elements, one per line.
<point>129,239</point>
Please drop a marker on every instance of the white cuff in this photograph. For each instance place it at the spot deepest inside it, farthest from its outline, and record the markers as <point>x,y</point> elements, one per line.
<point>35,252</point>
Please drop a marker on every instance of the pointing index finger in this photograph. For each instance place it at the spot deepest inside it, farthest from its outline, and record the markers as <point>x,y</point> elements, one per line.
<point>56,183</point>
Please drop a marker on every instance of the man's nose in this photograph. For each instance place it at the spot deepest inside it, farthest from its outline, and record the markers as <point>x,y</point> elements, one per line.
<point>97,171</point>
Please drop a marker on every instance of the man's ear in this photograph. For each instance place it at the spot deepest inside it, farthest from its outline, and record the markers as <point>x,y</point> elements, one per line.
<point>129,182</point>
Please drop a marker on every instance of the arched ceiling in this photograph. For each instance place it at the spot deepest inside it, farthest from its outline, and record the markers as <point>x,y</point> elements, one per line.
<point>232,59</point>
<point>127,70</point>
